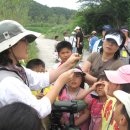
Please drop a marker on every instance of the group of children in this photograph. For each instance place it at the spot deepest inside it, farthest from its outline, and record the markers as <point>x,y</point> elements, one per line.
<point>75,90</point>
<point>99,113</point>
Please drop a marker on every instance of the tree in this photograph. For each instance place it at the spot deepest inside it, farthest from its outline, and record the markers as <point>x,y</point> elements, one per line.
<point>15,9</point>
<point>100,12</point>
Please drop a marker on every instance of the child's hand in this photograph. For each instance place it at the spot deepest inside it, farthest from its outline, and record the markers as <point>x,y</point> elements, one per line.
<point>95,85</point>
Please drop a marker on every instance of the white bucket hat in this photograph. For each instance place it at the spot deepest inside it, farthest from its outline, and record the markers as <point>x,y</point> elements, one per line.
<point>124,98</point>
<point>11,32</point>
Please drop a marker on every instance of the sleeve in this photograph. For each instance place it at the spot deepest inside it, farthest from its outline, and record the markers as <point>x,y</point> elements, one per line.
<point>88,99</point>
<point>37,80</point>
<point>91,57</point>
<point>14,90</point>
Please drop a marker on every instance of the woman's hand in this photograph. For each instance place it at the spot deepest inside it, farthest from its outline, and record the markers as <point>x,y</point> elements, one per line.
<point>66,76</point>
<point>73,59</point>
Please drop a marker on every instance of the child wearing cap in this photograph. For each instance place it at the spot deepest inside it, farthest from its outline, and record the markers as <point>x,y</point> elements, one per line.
<point>118,80</point>
<point>122,113</point>
<point>95,105</point>
<point>109,56</point>
<point>71,90</point>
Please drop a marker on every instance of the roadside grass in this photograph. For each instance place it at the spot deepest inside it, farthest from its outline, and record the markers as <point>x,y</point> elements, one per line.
<point>32,51</point>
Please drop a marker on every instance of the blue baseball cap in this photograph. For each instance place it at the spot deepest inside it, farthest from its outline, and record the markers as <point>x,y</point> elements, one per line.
<point>107,27</point>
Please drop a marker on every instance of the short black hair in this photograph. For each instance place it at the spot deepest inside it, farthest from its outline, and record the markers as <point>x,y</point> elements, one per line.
<point>102,76</point>
<point>63,44</point>
<point>35,62</point>
<point>19,116</point>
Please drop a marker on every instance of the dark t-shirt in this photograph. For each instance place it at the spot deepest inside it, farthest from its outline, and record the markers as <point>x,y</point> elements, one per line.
<point>79,34</point>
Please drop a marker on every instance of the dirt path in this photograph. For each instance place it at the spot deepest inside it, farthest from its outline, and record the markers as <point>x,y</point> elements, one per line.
<point>46,51</point>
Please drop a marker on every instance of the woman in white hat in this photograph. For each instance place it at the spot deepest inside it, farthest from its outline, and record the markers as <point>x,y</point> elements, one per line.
<point>108,58</point>
<point>15,80</point>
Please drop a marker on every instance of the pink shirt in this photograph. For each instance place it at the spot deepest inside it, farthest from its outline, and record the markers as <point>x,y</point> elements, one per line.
<point>64,96</point>
<point>95,108</point>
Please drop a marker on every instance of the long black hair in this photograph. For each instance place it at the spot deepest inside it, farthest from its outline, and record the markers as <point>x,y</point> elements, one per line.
<point>116,32</point>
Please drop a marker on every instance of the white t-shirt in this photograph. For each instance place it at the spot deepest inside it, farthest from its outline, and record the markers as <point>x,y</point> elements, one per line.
<point>13,89</point>
<point>73,41</point>
<point>66,38</point>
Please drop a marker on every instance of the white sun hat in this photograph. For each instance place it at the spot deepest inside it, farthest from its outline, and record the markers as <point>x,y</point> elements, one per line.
<point>117,38</point>
<point>77,27</point>
<point>124,98</point>
<point>11,32</point>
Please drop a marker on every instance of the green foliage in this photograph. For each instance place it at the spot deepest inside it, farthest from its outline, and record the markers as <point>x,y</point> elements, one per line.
<point>14,9</point>
<point>100,12</point>
<point>33,51</point>
<point>42,14</point>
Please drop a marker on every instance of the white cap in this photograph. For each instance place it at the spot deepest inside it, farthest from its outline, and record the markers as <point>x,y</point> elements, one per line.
<point>124,98</point>
<point>93,32</point>
<point>77,27</point>
<point>77,70</point>
<point>73,33</point>
<point>117,38</point>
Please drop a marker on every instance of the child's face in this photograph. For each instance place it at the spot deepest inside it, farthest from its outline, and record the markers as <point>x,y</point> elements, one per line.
<point>64,54</point>
<point>76,81</point>
<point>100,90</point>
<point>39,68</point>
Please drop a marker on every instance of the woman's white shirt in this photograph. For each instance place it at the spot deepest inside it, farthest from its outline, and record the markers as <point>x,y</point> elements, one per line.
<point>13,89</point>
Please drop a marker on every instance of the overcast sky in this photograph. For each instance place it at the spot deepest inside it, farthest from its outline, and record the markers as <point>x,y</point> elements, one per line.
<point>70,4</point>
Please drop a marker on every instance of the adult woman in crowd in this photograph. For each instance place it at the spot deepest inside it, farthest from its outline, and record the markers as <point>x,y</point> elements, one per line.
<point>108,58</point>
<point>16,81</point>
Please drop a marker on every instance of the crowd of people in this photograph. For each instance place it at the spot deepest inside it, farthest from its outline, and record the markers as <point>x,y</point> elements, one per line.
<point>28,93</point>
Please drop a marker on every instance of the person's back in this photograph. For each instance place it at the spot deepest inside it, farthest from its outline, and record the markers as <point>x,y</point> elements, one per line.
<point>94,38</point>
<point>73,42</point>
<point>66,37</point>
